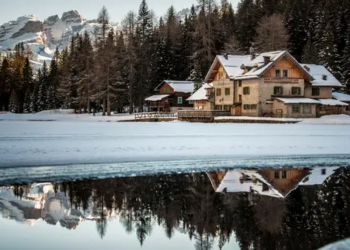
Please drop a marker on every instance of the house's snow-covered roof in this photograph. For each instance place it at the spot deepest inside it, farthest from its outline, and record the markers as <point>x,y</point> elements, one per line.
<point>232,65</point>
<point>259,61</point>
<point>317,72</point>
<point>298,100</point>
<point>156,97</point>
<point>178,86</point>
<point>341,97</point>
<point>332,102</point>
<point>316,176</point>
<point>200,94</point>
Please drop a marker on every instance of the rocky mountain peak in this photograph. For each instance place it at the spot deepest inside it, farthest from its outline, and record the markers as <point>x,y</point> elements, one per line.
<point>72,16</point>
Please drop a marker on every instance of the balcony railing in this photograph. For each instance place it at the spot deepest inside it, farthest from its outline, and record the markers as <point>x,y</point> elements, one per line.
<point>282,80</point>
<point>202,113</point>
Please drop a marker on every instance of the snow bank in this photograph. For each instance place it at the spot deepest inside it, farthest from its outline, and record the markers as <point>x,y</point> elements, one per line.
<point>64,115</point>
<point>329,119</point>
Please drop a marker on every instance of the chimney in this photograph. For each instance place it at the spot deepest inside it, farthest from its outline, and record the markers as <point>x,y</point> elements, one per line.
<point>267,60</point>
<point>324,77</point>
<point>226,56</point>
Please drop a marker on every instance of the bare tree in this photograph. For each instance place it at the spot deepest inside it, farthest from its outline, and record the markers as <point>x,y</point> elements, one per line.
<point>271,34</point>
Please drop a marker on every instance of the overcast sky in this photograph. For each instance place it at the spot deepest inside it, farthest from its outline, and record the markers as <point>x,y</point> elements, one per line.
<point>12,9</point>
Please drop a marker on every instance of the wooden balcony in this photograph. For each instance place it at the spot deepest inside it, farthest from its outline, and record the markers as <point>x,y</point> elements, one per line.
<point>282,80</point>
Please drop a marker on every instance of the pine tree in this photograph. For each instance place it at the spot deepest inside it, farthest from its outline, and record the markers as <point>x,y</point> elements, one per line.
<point>5,84</point>
<point>246,23</point>
<point>43,87</point>
<point>196,76</point>
<point>144,43</point>
<point>27,101</point>
<point>310,54</point>
<point>14,104</point>
<point>346,63</point>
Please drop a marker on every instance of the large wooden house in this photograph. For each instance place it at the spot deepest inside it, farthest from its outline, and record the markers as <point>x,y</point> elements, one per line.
<point>171,96</point>
<point>273,84</point>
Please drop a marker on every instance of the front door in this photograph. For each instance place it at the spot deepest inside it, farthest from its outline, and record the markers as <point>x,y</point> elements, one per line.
<point>238,111</point>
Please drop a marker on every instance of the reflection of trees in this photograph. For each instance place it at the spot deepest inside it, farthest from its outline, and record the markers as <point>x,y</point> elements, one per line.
<point>307,219</point>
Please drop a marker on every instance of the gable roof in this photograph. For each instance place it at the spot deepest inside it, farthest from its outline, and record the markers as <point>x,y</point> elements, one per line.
<point>261,69</point>
<point>178,86</point>
<point>233,65</point>
<point>317,72</point>
<point>341,97</point>
<point>200,94</point>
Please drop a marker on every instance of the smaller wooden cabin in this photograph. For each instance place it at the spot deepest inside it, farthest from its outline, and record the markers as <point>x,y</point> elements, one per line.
<point>171,96</point>
<point>343,98</point>
<point>203,98</point>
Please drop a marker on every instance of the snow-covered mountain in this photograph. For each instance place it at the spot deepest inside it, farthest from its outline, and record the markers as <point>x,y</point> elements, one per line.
<point>42,37</point>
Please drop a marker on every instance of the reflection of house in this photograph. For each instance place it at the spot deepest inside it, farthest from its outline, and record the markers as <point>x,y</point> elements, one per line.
<point>272,84</point>
<point>269,182</point>
<point>171,96</point>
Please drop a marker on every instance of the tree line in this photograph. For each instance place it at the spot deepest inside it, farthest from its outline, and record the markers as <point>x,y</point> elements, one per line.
<point>113,69</point>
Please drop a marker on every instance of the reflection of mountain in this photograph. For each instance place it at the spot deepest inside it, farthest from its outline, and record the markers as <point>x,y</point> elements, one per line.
<point>315,208</point>
<point>270,182</point>
<point>38,202</point>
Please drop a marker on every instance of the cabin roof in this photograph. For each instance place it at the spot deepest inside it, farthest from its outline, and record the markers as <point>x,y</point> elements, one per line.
<point>201,94</point>
<point>317,72</point>
<point>298,100</point>
<point>341,97</point>
<point>156,98</point>
<point>178,86</point>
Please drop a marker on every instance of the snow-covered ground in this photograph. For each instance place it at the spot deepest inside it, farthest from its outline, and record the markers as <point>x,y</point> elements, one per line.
<point>129,148</point>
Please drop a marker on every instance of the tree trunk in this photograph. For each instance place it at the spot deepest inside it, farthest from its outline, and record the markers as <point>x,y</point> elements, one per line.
<point>108,96</point>
<point>104,107</point>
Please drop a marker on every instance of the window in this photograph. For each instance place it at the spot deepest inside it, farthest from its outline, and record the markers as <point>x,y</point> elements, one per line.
<point>323,171</point>
<point>285,73</point>
<point>277,175</point>
<point>246,91</point>
<point>218,92</point>
<point>190,102</point>
<point>246,107</point>
<point>295,109</point>
<point>239,83</point>
<point>284,174</point>
<point>227,91</point>
<point>240,98</point>
<point>307,109</point>
<point>278,73</point>
<point>278,90</point>
<point>315,91</point>
<point>253,107</point>
<point>296,91</point>
<point>179,100</point>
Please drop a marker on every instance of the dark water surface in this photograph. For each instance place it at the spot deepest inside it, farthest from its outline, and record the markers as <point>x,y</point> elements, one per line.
<point>293,208</point>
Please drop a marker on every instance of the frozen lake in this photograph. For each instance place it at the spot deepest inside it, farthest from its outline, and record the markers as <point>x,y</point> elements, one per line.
<point>131,148</point>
